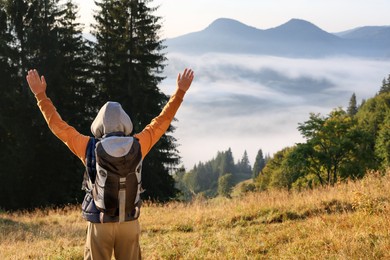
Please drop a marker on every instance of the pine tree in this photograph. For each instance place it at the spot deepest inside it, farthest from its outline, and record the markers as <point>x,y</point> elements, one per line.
<point>259,164</point>
<point>31,24</point>
<point>6,56</point>
<point>5,43</point>
<point>7,106</point>
<point>72,93</point>
<point>75,80</point>
<point>129,61</point>
<point>226,163</point>
<point>44,50</point>
<point>385,85</point>
<point>18,23</point>
<point>352,108</point>
<point>39,164</point>
<point>244,166</point>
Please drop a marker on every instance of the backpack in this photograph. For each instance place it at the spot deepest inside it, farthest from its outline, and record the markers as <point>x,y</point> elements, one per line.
<point>113,177</point>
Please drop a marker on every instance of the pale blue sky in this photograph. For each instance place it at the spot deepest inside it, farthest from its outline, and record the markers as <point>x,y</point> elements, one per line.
<point>184,16</point>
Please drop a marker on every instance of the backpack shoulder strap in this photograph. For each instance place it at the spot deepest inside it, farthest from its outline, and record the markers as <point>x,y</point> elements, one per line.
<point>90,165</point>
<point>91,159</point>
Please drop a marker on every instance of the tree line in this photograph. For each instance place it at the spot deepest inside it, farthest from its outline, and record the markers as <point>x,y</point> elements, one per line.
<point>124,64</point>
<point>343,145</point>
<point>219,175</point>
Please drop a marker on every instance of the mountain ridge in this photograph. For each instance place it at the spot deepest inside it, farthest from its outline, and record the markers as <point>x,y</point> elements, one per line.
<point>295,38</point>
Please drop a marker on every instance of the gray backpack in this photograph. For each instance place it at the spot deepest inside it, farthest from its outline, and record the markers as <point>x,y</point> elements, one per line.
<point>113,177</point>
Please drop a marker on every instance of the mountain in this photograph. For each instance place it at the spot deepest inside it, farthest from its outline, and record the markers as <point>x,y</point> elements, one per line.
<point>295,38</point>
<point>223,35</point>
<point>300,30</point>
<point>367,33</point>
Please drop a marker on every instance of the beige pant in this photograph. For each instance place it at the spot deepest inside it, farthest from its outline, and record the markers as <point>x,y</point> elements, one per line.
<point>122,238</point>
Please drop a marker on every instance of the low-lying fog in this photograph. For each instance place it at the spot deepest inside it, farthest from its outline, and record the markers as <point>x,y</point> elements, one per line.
<point>256,102</point>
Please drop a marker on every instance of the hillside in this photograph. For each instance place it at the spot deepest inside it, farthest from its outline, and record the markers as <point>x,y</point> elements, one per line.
<point>295,38</point>
<point>349,221</point>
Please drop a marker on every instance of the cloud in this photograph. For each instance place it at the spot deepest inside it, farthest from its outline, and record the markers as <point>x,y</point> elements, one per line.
<point>256,102</point>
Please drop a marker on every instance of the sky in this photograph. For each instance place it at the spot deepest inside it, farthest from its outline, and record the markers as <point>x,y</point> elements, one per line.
<point>184,16</point>
<point>247,103</point>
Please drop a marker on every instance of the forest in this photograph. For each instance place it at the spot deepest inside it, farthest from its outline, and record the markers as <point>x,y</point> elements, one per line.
<point>124,64</point>
<point>217,176</point>
<point>343,145</point>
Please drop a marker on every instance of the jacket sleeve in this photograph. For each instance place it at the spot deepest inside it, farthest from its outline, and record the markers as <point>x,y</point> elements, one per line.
<point>75,141</point>
<point>159,125</point>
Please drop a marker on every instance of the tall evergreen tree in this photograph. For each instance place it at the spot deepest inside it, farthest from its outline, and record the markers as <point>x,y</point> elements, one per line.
<point>18,22</point>
<point>72,92</point>
<point>259,164</point>
<point>6,70</point>
<point>76,79</point>
<point>352,108</point>
<point>243,168</point>
<point>385,85</point>
<point>32,25</point>
<point>46,50</point>
<point>226,162</point>
<point>7,105</point>
<point>5,43</point>
<point>130,61</point>
<point>39,165</point>
<point>244,163</point>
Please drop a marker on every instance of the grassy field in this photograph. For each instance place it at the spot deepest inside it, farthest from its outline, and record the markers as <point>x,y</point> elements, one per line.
<point>349,221</point>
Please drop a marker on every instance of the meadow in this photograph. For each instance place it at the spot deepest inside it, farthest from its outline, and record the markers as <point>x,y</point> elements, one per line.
<point>348,221</point>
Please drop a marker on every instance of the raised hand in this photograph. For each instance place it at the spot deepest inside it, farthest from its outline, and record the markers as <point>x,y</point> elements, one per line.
<point>184,81</point>
<point>37,84</point>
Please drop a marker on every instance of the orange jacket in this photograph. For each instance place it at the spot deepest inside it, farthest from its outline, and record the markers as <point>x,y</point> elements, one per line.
<point>77,142</point>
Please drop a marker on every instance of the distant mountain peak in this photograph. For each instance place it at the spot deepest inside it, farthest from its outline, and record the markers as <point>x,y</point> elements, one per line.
<point>224,22</point>
<point>299,29</point>
<point>295,38</point>
<point>227,25</point>
<point>296,21</point>
<point>298,24</point>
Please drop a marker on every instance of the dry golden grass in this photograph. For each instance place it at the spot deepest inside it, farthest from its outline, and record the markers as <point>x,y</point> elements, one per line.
<point>42,234</point>
<point>349,221</point>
